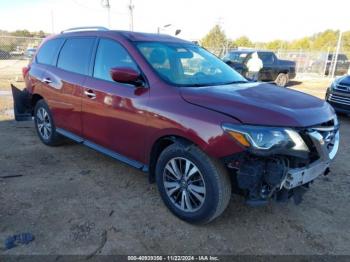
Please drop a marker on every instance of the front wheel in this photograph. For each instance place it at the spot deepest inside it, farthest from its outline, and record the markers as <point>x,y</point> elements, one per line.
<point>195,187</point>
<point>282,80</point>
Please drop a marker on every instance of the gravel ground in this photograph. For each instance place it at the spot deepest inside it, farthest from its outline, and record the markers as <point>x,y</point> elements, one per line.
<point>77,201</point>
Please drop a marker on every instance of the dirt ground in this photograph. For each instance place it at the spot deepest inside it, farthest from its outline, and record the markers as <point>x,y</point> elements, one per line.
<point>77,201</point>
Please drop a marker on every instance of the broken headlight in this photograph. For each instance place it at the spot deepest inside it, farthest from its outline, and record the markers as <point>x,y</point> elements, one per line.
<point>266,139</point>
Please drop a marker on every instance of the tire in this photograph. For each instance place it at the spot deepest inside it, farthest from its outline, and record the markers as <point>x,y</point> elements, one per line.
<point>45,126</point>
<point>282,80</point>
<point>207,190</point>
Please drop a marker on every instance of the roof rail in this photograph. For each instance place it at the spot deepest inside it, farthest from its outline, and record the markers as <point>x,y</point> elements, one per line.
<point>85,28</point>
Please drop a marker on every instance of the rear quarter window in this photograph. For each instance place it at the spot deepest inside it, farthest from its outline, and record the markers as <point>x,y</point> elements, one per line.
<point>75,55</point>
<point>48,52</point>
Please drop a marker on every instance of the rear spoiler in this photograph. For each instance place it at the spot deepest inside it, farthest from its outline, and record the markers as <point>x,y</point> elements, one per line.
<point>21,104</point>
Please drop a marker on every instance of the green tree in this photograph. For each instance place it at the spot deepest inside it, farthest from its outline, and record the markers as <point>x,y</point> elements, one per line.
<point>242,41</point>
<point>215,39</point>
<point>41,34</point>
<point>324,40</point>
<point>25,33</point>
<point>276,44</point>
<point>303,43</point>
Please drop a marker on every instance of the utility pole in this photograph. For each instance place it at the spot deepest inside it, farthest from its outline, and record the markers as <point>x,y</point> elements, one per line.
<point>337,53</point>
<point>131,12</point>
<point>52,23</point>
<point>105,4</point>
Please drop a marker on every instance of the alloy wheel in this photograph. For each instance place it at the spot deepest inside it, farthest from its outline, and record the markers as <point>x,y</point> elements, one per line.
<point>184,184</point>
<point>44,123</point>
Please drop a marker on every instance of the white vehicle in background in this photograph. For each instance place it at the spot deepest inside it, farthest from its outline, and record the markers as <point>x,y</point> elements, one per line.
<point>17,53</point>
<point>29,53</point>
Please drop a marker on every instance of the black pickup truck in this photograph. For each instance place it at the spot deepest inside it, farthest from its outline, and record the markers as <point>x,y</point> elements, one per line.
<point>274,69</point>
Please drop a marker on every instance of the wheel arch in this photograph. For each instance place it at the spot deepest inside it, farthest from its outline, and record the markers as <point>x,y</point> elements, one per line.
<point>34,100</point>
<point>157,148</point>
<point>283,71</point>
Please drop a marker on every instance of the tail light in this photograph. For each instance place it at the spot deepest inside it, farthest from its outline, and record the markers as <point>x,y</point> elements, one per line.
<point>25,71</point>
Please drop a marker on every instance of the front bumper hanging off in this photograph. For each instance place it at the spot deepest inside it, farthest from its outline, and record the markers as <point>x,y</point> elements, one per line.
<point>300,176</point>
<point>283,176</point>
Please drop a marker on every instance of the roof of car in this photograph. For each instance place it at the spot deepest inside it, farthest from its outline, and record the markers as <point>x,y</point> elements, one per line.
<point>138,36</point>
<point>248,51</point>
<point>131,36</point>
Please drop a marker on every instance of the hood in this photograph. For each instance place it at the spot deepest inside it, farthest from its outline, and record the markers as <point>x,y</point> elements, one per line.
<point>261,104</point>
<point>345,81</point>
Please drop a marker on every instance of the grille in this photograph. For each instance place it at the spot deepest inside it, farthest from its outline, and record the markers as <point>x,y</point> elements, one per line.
<point>342,88</point>
<point>325,138</point>
<point>339,99</point>
<point>322,140</point>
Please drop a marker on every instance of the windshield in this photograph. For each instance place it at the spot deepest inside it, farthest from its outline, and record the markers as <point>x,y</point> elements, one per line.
<point>187,64</point>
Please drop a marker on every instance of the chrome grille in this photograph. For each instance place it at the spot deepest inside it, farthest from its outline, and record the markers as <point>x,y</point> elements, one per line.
<point>326,140</point>
<point>339,99</point>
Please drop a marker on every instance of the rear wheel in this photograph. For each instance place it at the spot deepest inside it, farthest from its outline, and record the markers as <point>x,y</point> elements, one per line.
<point>282,80</point>
<point>45,125</point>
<point>193,186</point>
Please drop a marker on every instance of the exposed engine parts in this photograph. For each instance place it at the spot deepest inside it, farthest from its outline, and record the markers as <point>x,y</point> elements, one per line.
<point>263,178</point>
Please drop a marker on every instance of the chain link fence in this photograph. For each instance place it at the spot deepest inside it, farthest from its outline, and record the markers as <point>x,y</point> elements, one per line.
<point>15,52</point>
<point>317,64</point>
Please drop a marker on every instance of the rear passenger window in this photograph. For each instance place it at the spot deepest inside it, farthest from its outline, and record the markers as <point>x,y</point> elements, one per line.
<point>48,52</point>
<point>111,54</point>
<point>75,55</point>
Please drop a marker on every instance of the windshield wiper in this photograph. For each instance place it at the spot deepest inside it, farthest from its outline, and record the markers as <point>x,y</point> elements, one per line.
<point>216,84</point>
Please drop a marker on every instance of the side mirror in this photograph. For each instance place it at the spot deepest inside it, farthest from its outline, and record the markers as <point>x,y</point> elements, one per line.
<point>126,75</point>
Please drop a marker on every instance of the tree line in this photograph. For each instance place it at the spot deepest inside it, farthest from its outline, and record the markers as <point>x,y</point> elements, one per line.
<point>216,39</point>
<point>24,33</point>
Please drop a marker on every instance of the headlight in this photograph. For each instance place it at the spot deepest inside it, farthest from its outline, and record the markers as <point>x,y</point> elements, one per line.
<point>266,138</point>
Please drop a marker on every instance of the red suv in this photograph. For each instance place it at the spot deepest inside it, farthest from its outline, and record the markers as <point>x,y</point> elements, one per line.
<point>170,108</point>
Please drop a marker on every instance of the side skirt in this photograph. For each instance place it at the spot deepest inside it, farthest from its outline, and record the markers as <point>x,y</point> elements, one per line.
<point>103,150</point>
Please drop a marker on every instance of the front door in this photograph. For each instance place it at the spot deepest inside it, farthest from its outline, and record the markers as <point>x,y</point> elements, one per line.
<point>114,113</point>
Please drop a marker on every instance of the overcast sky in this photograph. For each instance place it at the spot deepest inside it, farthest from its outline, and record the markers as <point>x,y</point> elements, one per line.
<point>260,20</point>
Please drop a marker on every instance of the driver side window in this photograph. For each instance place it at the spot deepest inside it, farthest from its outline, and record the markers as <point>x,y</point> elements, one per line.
<point>111,54</point>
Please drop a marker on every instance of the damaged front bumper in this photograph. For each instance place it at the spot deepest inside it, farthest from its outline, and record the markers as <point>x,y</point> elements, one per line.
<point>327,147</point>
<point>281,177</point>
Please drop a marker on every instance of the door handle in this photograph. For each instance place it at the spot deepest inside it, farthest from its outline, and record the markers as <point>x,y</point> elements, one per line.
<point>90,94</point>
<point>46,80</point>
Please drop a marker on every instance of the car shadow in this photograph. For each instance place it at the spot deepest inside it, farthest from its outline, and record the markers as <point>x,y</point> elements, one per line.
<point>294,83</point>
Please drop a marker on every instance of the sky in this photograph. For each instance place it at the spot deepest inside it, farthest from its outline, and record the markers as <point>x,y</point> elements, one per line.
<point>260,20</point>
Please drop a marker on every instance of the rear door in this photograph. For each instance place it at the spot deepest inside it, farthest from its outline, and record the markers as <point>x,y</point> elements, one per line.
<point>46,56</point>
<point>64,82</point>
<point>114,113</point>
